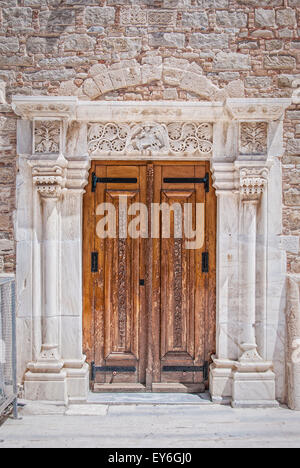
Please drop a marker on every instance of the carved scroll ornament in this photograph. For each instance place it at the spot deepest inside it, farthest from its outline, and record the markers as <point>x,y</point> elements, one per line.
<point>151,138</point>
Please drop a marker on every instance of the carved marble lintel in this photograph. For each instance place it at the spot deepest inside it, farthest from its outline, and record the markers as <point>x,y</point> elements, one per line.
<point>253,182</point>
<point>32,107</point>
<point>267,110</point>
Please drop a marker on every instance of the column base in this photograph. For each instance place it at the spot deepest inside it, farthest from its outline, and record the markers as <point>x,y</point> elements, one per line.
<point>220,381</point>
<point>78,382</point>
<point>46,387</point>
<point>69,384</point>
<point>254,390</point>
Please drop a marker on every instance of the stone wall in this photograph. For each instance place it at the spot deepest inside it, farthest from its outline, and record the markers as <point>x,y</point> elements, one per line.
<point>148,50</point>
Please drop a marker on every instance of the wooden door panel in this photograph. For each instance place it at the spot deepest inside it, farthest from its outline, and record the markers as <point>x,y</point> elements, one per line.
<point>177,288</point>
<point>118,302</point>
<point>182,283</point>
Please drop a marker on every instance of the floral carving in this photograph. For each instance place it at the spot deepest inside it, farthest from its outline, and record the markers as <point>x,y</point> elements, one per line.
<point>254,137</point>
<point>122,296</point>
<point>151,138</point>
<point>133,17</point>
<point>47,137</point>
<point>177,293</point>
<point>161,18</point>
<point>190,138</point>
<point>139,17</point>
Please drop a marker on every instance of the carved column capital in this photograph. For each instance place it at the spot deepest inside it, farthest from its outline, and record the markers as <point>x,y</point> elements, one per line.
<point>49,180</point>
<point>253,182</point>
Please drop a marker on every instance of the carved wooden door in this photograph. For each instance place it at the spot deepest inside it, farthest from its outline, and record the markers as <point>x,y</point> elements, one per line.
<point>183,284</point>
<point>149,300</point>
<point>115,293</point>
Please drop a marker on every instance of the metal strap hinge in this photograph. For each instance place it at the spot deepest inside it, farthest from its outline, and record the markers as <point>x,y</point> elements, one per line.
<point>204,369</point>
<point>189,180</point>
<point>111,369</point>
<point>111,180</point>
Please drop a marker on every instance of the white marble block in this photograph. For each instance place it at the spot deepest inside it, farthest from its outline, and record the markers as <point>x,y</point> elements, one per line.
<point>220,384</point>
<point>43,387</point>
<point>255,389</point>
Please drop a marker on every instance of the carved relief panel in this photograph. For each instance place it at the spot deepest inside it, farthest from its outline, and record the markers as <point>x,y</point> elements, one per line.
<point>47,137</point>
<point>253,138</point>
<point>191,139</point>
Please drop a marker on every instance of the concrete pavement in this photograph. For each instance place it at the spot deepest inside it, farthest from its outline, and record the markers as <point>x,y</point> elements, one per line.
<point>150,425</point>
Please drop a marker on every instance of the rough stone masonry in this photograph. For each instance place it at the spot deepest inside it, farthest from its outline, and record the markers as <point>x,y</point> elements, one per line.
<point>180,50</point>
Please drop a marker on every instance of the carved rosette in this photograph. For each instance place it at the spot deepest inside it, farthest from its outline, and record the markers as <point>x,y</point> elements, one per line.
<point>253,182</point>
<point>49,181</point>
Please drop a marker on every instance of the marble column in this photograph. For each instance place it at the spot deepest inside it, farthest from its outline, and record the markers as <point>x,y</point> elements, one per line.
<point>227,350</point>
<point>46,379</point>
<point>253,378</point>
<point>248,277</point>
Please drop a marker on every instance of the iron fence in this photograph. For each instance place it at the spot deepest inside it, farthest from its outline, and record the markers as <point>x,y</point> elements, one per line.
<point>8,377</point>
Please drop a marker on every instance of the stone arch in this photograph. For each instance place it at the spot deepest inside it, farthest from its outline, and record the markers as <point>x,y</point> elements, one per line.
<point>172,72</point>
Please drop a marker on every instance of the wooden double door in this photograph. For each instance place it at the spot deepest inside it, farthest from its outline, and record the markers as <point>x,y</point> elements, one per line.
<point>149,275</point>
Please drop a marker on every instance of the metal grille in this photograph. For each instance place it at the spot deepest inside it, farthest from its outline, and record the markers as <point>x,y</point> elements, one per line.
<point>8,380</point>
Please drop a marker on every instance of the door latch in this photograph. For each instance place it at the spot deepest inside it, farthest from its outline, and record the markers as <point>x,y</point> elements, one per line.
<point>95,262</point>
<point>205,262</point>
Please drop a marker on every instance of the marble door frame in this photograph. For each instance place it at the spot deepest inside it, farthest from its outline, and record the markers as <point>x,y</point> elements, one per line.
<point>243,139</point>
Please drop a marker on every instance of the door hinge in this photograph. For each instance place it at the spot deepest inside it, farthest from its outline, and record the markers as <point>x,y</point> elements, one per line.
<point>189,180</point>
<point>94,262</point>
<point>111,180</point>
<point>186,369</point>
<point>111,369</point>
<point>205,262</point>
